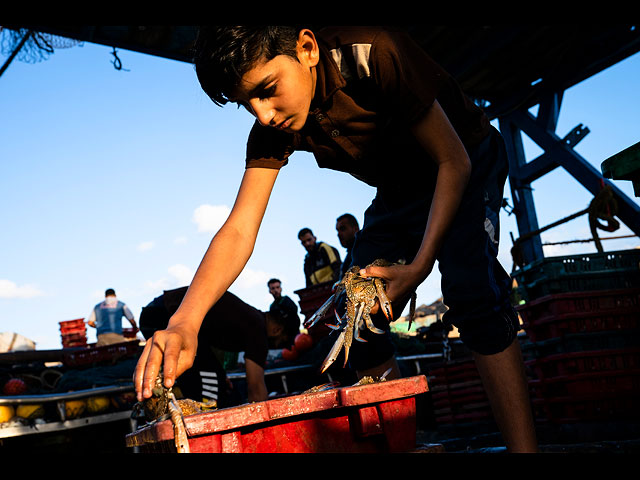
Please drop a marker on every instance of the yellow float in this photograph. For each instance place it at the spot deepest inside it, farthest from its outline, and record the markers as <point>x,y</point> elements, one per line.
<point>74,408</point>
<point>98,404</point>
<point>7,412</point>
<point>30,411</point>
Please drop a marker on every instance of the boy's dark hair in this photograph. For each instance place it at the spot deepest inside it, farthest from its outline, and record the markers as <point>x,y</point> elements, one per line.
<point>109,291</point>
<point>273,280</point>
<point>349,218</point>
<point>304,231</point>
<point>224,53</point>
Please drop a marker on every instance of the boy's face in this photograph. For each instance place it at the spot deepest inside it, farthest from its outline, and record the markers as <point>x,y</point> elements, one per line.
<point>279,92</point>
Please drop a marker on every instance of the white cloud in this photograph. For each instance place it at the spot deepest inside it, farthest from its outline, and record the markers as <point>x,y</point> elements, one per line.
<point>181,273</point>
<point>179,276</point>
<point>180,240</point>
<point>250,278</point>
<point>157,285</point>
<point>144,246</point>
<point>210,218</point>
<point>9,289</point>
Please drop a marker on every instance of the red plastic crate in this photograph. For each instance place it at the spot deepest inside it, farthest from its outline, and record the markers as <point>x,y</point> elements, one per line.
<point>454,372</point>
<point>553,327</point>
<point>581,312</point>
<point>92,354</point>
<point>603,406</point>
<point>73,329</point>
<point>311,299</point>
<point>578,303</point>
<point>130,332</point>
<point>457,393</point>
<point>79,322</point>
<point>573,363</point>
<point>586,384</point>
<point>374,418</point>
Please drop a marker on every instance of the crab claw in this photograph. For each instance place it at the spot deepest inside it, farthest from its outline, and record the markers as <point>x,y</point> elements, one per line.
<point>319,313</point>
<point>357,323</point>
<point>385,303</point>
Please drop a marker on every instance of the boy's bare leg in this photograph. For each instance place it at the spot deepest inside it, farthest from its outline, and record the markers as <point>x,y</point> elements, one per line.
<point>505,382</point>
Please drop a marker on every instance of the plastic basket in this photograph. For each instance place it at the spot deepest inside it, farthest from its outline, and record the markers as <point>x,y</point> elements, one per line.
<point>375,418</point>
<point>593,323</point>
<point>580,342</point>
<point>576,273</point>
<point>585,362</point>
<point>579,303</point>
<point>93,354</point>
<point>592,383</point>
<point>603,406</point>
<point>72,324</point>
<point>73,330</point>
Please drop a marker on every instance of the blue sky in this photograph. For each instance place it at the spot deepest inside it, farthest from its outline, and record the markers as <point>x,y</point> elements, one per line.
<point>119,179</point>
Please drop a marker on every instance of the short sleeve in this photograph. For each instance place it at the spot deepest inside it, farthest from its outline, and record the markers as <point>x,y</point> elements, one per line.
<point>268,147</point>
<point>408,79</point>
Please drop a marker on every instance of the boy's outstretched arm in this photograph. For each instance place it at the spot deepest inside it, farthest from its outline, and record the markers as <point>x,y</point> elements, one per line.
<point>439,139</point>
<point>174,348</point>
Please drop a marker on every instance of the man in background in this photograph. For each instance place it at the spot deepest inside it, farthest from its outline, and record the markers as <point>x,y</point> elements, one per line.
<point>106,317</point>
<point>231,325</point>
<point>322,262</point>
<point>347,228</point>
<point>284,307</point>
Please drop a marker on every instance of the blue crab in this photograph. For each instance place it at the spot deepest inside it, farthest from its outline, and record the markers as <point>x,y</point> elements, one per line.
<point>362,294</point>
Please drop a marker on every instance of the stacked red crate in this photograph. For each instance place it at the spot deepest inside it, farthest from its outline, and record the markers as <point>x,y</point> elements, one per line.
<point>586,361</point>
<point>457,393</point>
<point>73,333</point>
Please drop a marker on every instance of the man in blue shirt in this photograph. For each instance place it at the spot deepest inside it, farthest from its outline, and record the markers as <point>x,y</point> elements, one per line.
<point>106,317</point>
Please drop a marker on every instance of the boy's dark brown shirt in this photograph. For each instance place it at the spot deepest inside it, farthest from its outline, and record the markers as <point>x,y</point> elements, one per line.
<point>372,85</point>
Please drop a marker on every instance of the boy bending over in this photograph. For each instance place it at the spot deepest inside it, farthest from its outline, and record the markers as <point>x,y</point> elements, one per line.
<point>369,102</point>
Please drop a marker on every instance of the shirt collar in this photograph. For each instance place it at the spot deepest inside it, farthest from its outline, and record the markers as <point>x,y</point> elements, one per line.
<point>328,78</point>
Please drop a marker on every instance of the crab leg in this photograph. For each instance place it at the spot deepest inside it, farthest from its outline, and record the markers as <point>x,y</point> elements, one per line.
<point>412,309</point>
<point>339,324</point>
<point>348,338</point>
<point>333,354</point>
<point>371,326</point>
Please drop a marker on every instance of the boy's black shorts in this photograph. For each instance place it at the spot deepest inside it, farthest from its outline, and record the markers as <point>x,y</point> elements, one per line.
<point>475,286</point>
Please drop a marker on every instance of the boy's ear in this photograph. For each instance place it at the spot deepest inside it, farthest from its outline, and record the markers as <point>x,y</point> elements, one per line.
<point>308,47</point>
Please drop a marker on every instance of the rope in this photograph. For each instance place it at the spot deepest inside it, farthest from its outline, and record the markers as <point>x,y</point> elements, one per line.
<point>604,206</point>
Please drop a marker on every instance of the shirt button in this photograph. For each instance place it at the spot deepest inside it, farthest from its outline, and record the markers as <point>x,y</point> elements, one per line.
<point>319,117</point>
<point>335,133</point>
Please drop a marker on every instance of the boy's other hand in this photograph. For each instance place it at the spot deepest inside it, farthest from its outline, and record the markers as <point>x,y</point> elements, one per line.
<point>400,280</point>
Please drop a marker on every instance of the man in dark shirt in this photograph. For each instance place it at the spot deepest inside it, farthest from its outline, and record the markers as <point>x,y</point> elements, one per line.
<point>322,261</point>
<point>347,227</point>
<point>230,326</point>
<point>283,307</point>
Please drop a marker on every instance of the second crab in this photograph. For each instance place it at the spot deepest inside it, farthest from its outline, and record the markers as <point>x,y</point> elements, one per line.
<point>361,296</point>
